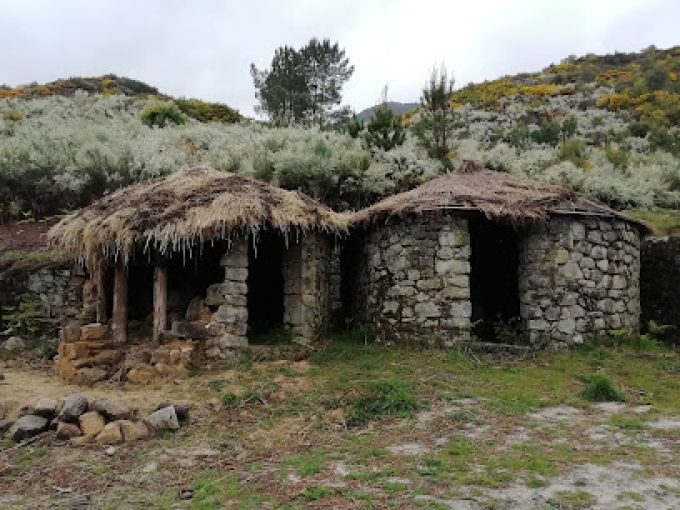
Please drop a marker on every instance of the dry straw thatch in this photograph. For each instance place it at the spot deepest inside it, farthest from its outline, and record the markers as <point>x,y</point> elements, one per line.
<point>497,195</point>
<point>187,208</point>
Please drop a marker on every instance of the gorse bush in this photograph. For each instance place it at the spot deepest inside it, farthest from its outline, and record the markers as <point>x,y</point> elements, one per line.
<point>386,398</point>
<point>600,388</point>
<point>162,114</point>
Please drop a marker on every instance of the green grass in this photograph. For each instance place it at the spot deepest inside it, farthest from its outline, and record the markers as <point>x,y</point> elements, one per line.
<point>600,388</point>
<point>664,222</point>
<point>625,422</point>
<point>383,398</point>
<point>574,500</point>
<point>22,260</point>
<point>314,493</point>
<point>306,464</point>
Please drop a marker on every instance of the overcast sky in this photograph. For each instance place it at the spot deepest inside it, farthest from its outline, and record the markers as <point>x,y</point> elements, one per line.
<point>204,48</point>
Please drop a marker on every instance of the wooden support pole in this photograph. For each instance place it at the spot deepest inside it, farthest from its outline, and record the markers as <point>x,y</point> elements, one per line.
<point>100,283</point>
<point>120,303</point>
<point>160,301</point>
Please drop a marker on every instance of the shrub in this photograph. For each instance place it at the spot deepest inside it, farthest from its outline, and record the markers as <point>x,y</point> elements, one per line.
<point>162,114</point>
<point>207,112</point>
<point>617,157</point>
<point>548,133</point>
<point>575,151</point>
<point>13,116</point>
<point>383,399</point>
<point>384,131</point>
<point>600,388</point>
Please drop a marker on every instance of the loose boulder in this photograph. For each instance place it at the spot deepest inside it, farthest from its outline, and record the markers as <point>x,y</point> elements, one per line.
<point>68,430</point>
<point>27,426</point>
<point>92,423</point>
<point>14,344</point>
<point>46,407</point>
<point>134,430</point>
<point>181,411</point>
<point>111,410</point>
<point>110,434</point>
<point>74,406</point>
<point>164,419</point>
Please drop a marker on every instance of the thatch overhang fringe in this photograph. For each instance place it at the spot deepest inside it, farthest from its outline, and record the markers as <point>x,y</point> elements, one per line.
<point>499,196</point>
<point>186,209</point>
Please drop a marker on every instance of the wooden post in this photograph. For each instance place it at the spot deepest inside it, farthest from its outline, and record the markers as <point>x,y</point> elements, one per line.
<point>120,303</point>
<point>160,301</point>
<point>100,283</point>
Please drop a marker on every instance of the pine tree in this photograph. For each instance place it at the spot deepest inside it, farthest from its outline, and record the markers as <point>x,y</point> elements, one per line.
<point>437,119</point>
<point>384,130</point>
<point>303,86</point>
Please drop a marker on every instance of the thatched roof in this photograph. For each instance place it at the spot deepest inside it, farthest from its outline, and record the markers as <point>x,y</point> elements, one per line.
<point>497,195</point>
<point>188,207</point>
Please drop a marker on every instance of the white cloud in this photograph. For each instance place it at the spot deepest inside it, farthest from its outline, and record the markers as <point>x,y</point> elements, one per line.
<point>204,48</point>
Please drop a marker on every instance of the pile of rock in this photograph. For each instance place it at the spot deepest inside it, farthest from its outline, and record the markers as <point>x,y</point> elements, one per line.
<point>173,359</point>
<point>100,421</point>
<point>85,354</point>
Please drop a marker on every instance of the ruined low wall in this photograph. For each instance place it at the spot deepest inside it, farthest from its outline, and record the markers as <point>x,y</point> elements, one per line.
<point>414,282</point>
<point>579,277</point>
<point>61,293</point>
<point>660,281</point>
<point>61,290</point>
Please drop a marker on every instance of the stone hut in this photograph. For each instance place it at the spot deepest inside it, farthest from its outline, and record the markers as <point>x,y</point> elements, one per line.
<point>488,253</point>
<point>204,255</point>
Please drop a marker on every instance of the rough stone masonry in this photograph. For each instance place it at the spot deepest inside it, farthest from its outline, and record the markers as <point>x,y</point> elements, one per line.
<point>576,278</point>
<point>415,280</point>
<point>579,278</point>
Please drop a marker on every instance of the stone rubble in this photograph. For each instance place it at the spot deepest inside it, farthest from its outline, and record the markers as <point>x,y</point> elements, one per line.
<point>102,421</point>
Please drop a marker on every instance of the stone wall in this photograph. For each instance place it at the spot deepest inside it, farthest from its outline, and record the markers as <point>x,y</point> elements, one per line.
<point>579,277</point>
<point>63,291</point>
<point>58,292</point>
<point>229,326</point>
<point>307,286</point>
<point>660,282</point>
<point>414,281</point>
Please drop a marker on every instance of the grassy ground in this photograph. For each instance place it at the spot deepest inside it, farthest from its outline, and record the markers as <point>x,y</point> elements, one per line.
<point>359,426</point>
<point>664,222</point>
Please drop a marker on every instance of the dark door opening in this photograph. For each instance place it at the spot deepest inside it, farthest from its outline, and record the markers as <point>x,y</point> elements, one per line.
<point>265,283</point>
<point>189,276</point>
<point>140,290</point>
<point>494,289</point>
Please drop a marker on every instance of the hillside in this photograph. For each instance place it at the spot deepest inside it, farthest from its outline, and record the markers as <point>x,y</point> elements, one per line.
<point>111,85</point>
<point>396,107</point>
<point>606,126</point>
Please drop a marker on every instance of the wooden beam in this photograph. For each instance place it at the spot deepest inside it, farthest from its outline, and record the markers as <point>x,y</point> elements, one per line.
<point>160,301</point>
<point>120,303</point>
<point>100,284</point>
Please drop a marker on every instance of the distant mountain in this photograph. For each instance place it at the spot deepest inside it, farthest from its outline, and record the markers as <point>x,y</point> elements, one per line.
<point>395,106</point>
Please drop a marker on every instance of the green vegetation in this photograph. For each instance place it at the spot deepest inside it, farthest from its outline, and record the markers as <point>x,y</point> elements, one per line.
<point>303,86</point>
<point>600,388</point>
<point>471,425</point>
<point>162,114</point>
<point>24,260</point>
<point>664,222</point>
<point>605,126</point>
<point>384,398</point>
